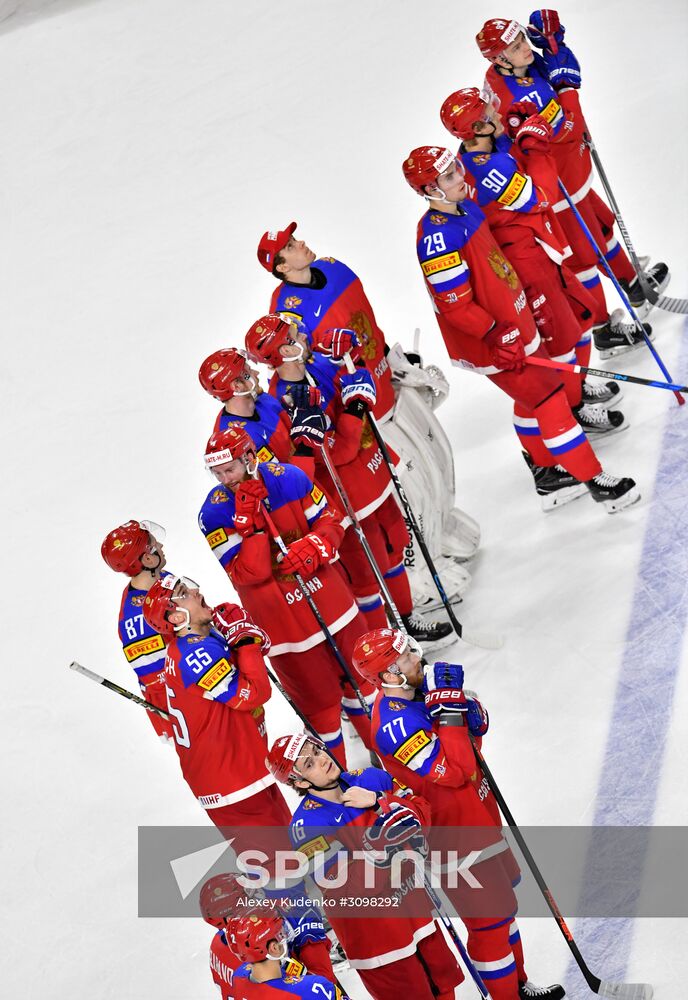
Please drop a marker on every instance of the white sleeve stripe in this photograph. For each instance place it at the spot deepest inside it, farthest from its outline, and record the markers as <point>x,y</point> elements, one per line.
<point>449,275</point>
<point>420,758</point>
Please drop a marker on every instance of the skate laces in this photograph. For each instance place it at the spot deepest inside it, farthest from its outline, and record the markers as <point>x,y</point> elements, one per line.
<point>531,990</point>
<point>604,479</point>
<point>419,624</point>
<point>593,414</point>
<point>617,325</point>
<point>596,389</point>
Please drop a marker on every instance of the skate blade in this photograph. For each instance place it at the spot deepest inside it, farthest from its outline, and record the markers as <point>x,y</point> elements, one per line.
<point>627,500</point>
<point>599,434</point>
<point>562,497</point>
<point>613,352</point>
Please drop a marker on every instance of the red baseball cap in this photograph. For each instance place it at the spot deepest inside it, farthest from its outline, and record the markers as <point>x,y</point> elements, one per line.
<point>271,243</point>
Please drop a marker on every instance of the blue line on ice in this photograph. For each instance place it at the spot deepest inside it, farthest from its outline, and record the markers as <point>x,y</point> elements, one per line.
<point>641,715</point>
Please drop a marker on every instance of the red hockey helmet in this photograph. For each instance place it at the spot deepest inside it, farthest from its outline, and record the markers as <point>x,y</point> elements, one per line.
<point>219,370</point>
<point>284,752</point>
<point>376,651</point>
<point>220,897</point>
<point>124,547</point>
<point>424,165</point>
<point>465,108</point>
<point>228,445</point>
<point>271,243</point>
<point>496,34</point>
<point>264,339</point>
<point>250,936</point>
<point>158,604</point>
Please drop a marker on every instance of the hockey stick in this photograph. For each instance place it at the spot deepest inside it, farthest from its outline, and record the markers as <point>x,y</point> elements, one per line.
<point>622,295</point>
<point>563,366</point>
<point>310,601</point>
<point>390,606</point>
<point>604,988</point>
<point>473,638</point>
<point>148,705</point>
<point>661,301</point>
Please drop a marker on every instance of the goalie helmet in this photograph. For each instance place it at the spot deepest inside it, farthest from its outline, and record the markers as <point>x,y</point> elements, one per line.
<point>424,165</point>
<point>496,35</point>
<point>378,650</point>
<point>228,445</point>
<point>264,339</point>
<point>220,897</point>
<point>250,936</point>
<point>463,109</point>
<point>125,546</point>
<point>219,370</point>
<point>284,753</point>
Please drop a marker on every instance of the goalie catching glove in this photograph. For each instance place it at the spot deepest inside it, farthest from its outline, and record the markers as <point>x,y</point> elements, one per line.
<point>306,555</point>
<point>235,626</point>
<point>396,830</point>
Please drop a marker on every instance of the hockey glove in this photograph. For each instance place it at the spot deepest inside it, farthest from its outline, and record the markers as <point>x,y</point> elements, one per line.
<point>305,926</point>
<point>504,343</point>
<point>534,136</point>
<point>563,68</point>
<point>443,687</point>
<point>301,395</point>
<point>542,313</point>
<point>248,513</point>
<point>309,425</point>
<point>337,342</point>
<point>235,626</point>
<point>518,113</point>
<point>358,387</point>
<point>306,555</point>
<point>545,30</point>
<point>396,830</point>
<point>477,719</point>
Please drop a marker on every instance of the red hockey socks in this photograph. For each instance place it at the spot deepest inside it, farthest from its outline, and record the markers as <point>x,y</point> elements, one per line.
<point>397,582</point>
<point>488,946</point>
<point>327,724</point>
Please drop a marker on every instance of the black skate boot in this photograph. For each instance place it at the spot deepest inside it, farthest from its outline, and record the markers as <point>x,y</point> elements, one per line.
<point>602,393</point>
<point>555,486</point>
<point>658,278</point>
<point>613,338</point>
<point>615,494</point>
<point>430,634</point>
<point>596,421</point>
<point>528,990</point>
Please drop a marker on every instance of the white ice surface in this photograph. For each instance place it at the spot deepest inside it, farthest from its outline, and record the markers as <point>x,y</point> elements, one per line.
<point>146,146</point>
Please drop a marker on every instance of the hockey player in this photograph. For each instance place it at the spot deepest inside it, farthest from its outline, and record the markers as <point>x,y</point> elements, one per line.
<point>324,294</point>
<point>551,81</point>
<point>487,327</point>
<point>135,549</point>
<point>278,343</point>
<point>261,944</point>
<point>216,685</point>
<point>233,520</point>
<point>223,897</point>
<point>421,720</point>
<point>396,955</point>
<point>515,185</point>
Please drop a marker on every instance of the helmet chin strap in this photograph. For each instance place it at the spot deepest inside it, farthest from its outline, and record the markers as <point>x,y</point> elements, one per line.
<point>404,686</point>
<point>185,624</point>
<point>253,391</point>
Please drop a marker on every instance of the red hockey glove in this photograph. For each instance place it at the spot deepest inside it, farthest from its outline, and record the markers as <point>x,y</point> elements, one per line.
<point>534,135</point>
<point>518,113</point>
<point>306,555</point>
<point>506,347</point>
<point>337,342</point>
<point>542,313</point>
<point>248,514</point>
<point>234,625</point>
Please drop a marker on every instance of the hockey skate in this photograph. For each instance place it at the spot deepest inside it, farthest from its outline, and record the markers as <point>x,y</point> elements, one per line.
<point>528,990</point>
<point>602,393</point>
<point>597,421</point>
<point>614,493</point>
<point>617,337</point>
<point>555,486</point>
<point>658,277</point>
<point>430,634</point>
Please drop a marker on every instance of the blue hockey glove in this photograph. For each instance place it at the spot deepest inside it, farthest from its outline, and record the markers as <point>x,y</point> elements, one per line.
<point>563,68</point>
<point>304,926</point>
<point>477,719</point>
<point>396,830</point>
<point>358,387</point>
<point>545,30</point>
<point>443,688</point>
